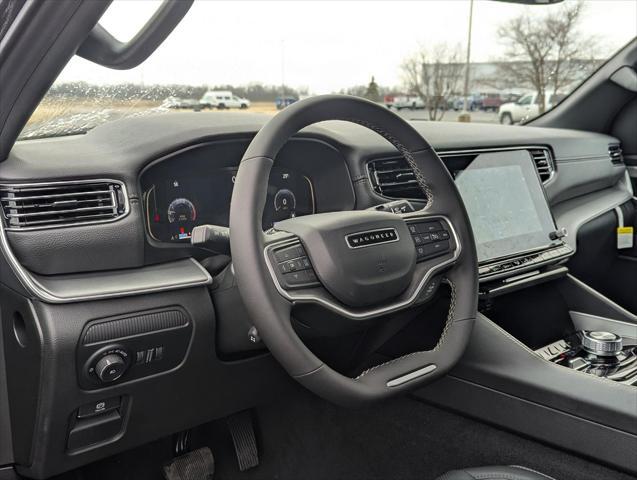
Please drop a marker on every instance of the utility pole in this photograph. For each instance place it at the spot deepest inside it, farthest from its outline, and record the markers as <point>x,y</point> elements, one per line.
<point>465,114</point>
<point>283,71</point>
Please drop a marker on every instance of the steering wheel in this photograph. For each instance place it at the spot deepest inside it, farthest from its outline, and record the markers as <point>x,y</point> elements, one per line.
<point>360,264</point>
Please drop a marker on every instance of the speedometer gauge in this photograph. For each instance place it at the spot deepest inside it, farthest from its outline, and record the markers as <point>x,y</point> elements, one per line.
<point>181,210</point>
<point>285,201</point>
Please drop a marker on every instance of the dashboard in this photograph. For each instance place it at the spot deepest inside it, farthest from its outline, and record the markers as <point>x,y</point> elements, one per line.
<point>169,173</point>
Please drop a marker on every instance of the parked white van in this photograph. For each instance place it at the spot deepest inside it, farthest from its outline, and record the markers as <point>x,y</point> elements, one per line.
<point>223,99</point>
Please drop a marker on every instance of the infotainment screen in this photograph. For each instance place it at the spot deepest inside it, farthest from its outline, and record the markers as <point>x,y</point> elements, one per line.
<point>506,204</point>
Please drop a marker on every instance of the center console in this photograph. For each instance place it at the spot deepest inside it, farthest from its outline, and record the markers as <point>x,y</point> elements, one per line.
<point>549,356</point>
<point>604,354</point>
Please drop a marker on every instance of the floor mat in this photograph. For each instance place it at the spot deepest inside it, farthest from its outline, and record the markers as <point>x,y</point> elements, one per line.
<point>305,438</point>
<point>402,439</point>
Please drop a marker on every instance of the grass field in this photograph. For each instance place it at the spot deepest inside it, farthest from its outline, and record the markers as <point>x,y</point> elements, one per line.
<point>53,109</point>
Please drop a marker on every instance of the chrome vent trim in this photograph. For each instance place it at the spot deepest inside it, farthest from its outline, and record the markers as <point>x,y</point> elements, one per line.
<point>543,162</point>
<point>615,153</point>
<point>30,206</point>
<point>394,177</point>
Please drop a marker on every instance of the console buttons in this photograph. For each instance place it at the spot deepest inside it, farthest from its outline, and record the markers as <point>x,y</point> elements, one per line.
<point>98,407</point>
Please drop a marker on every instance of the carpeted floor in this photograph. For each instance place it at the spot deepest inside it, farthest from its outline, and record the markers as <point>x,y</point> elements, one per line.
<point>305,438</point>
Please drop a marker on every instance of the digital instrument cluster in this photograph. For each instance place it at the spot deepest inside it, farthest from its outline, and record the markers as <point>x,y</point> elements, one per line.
<point>174,206</point>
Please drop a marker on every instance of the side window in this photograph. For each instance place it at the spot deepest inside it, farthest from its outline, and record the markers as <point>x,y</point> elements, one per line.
<point>525,100</point>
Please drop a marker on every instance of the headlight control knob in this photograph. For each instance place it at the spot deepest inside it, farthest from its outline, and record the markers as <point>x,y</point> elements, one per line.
<point>603,344</point>
<point>110,367</point>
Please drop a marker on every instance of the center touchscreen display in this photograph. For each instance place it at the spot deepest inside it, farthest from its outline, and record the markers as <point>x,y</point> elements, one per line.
<point>506,204</point>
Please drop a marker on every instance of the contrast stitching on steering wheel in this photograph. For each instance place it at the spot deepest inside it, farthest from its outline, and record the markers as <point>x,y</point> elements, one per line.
<point>450,314</point>
<point>405,152</point>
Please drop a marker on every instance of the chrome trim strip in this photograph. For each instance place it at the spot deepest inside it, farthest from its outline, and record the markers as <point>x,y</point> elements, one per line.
<point>36,289</point>
<point>362,314</point>
<point>411,376</point>
<point>69,182</point>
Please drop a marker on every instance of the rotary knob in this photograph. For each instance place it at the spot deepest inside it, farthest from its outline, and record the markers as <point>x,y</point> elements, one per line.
<point>602,344</point>
<point>110,367</point>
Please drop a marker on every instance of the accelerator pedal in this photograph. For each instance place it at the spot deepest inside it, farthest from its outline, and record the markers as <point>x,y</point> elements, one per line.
<point>244,440</point>
<point>196,465</point>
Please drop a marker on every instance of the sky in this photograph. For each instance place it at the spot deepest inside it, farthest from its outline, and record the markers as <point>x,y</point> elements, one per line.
<point>323,45</point>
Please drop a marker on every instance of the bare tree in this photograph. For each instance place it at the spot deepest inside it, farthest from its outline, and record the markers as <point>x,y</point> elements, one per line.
<point>547,53</point>
<point>433,75</point>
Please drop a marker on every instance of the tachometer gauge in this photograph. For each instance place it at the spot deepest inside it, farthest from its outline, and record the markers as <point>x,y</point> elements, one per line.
<point>285,202</point>
<point>181,210</point>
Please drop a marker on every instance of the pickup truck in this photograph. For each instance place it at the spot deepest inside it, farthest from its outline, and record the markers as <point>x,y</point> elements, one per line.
<point>408,101</point>
<point>526,107</point>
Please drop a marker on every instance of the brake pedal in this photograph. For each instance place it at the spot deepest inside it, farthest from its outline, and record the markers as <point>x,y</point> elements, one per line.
<point>244,440</point>
<point>196,465</point>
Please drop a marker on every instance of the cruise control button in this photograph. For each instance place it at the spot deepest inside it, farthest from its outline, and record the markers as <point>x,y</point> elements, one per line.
<point>444,235</point>
<point>294,279</point>
<point>412,228</point>
<point>288,253</point>
<point>429,227</point>
<point>437,247</point>
<point>420,252</point>
<point>417,239</point>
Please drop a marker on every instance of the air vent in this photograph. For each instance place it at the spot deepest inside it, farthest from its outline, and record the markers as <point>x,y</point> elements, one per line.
<point>615,154</point>
<point>393,178</point>
<point>62,203</point>
<point>543,162</point>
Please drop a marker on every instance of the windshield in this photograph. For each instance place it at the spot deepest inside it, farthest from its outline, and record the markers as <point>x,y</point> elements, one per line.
<point>410,56</point>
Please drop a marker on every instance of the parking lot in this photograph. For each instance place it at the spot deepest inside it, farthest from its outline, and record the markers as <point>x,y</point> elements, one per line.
<point>72,117</point>
<point>451,116</point>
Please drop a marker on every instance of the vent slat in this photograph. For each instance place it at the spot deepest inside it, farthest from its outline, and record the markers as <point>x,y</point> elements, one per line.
<point>48,205</point>
<point>394,179</point>
<point>543,163</point>
<point>616,154</point>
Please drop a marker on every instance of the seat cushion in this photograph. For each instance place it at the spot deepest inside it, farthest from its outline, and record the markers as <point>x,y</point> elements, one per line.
<point>495,473</point>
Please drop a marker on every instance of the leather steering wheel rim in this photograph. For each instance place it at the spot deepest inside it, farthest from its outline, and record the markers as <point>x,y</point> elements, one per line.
<point>271,312</point>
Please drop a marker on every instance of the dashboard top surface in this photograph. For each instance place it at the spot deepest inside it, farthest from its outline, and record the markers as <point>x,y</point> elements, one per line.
<point>122,147</point>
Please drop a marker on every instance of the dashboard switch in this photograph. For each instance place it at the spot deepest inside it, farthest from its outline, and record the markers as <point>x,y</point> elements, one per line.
<point>98,407</point>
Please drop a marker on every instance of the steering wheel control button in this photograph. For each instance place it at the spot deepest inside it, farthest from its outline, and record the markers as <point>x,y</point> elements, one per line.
<point>289,253</point>
<point>430,238</point>
<point>99,407</point>
<point>110,367</point>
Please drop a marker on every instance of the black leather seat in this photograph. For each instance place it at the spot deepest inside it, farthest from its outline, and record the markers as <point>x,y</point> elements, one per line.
<point>495,473</point>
